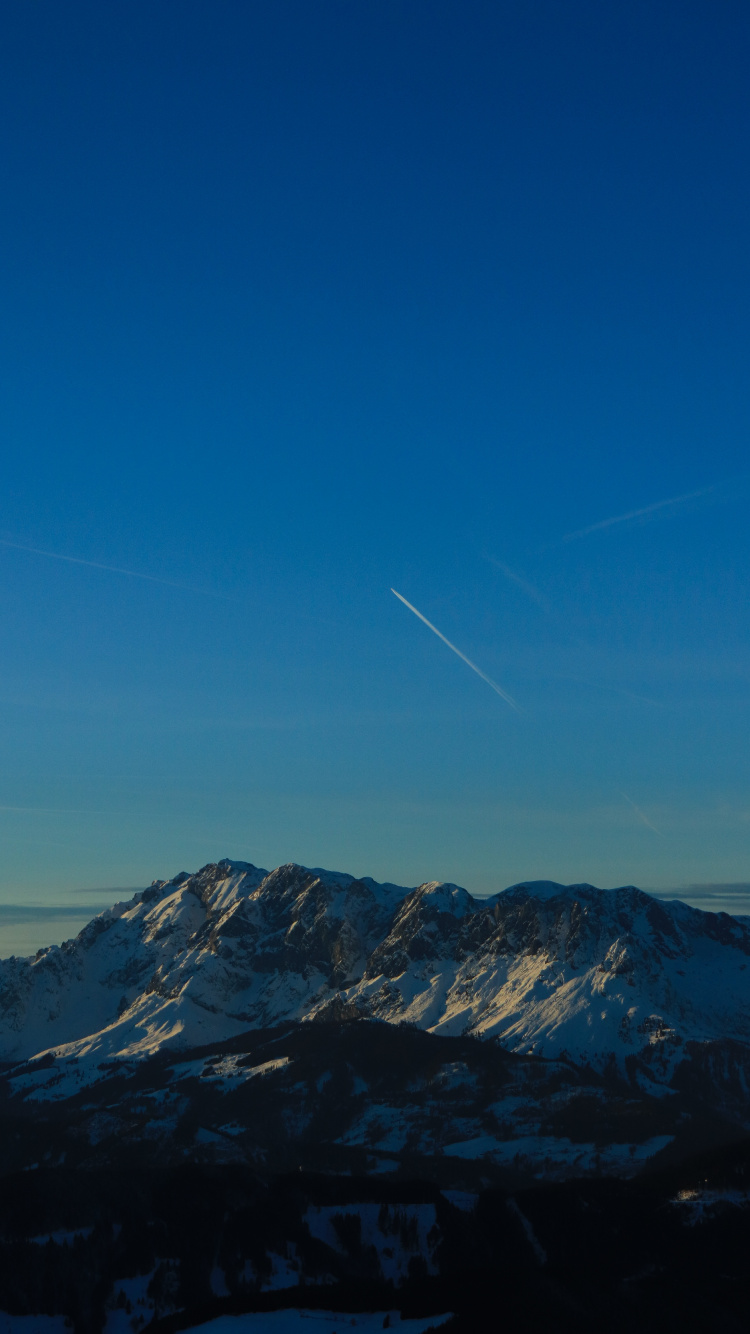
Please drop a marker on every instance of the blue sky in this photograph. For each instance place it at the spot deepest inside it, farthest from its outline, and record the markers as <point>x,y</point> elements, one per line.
<point>305,302</point>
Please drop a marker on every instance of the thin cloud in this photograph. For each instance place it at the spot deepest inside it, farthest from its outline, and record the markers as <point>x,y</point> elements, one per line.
<point>640,814</point>
<point>498,689</point>
<point>114,569</point>
<point>708,890</point>
<point>523,584</point>
<point>17,913</point>
<point>111,889</point>
<point>733,898</point>
<point>637,514</point>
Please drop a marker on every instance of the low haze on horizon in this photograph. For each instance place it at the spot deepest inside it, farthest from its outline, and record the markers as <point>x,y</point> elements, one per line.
<point>306,303</point>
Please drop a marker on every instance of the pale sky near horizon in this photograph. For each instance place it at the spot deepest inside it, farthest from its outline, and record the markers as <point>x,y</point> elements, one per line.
<point>303,303</point>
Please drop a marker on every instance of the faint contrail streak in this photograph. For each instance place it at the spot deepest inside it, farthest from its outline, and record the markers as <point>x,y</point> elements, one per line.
<point>528,589</point>
<point>640,814</point>
<point>498,689</point>
<point>113,569</point>
<point>637,514</point>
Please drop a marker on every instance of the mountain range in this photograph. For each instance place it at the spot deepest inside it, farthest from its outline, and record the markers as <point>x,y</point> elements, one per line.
<point>243,1091</point>
<point>569,1030</point>
<point>566,972</point>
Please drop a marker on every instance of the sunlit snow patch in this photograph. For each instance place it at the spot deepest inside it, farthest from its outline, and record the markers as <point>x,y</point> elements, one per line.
<point>227,1070</point>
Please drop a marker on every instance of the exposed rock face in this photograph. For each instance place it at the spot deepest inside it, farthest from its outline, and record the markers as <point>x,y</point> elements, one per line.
<point>595,976</point>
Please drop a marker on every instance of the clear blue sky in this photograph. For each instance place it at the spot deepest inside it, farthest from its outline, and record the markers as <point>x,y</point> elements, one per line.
<point>305,301</point>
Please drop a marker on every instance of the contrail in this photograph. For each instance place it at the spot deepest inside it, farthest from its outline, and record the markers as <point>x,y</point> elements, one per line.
<point>640,814</point>
<point>498,689</point>
<point>637,514</point>
<point>113,569</point>
<point>528,589</point>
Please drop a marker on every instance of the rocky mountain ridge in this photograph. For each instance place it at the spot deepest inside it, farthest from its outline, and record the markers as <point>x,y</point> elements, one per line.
<point>602,978</point>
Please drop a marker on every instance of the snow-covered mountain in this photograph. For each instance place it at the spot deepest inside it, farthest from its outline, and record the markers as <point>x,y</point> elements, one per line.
<point>600,977</point>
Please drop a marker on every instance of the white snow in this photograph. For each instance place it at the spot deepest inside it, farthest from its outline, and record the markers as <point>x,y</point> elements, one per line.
<point>218,1282</point>
<point>62,1238</point>
<point>548,1155</point>
<point>396,1232</point>
<point>203,1136</point>
<point>536,1246</point>
<point>129,1305</point>
<point>462,1199</point>
<point>285,1270</point>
